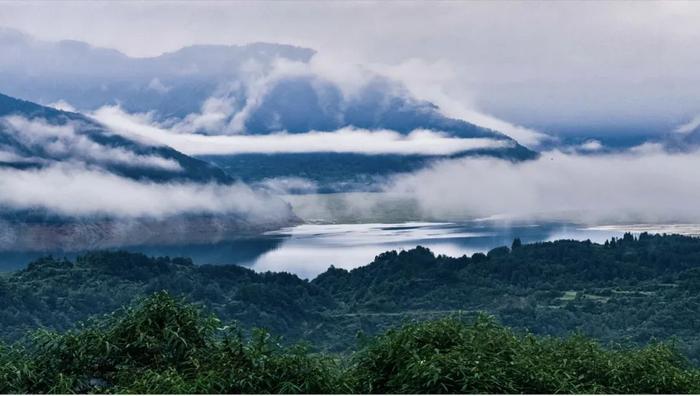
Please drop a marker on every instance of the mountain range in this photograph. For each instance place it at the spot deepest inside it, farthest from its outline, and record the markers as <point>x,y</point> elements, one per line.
<point>253,90</point>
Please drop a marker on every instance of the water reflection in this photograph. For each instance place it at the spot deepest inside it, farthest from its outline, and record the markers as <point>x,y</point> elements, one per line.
<point>310,249</point>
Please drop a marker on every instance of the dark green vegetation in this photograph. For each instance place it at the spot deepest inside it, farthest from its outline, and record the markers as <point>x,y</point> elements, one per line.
<point>631,290</point>
<point>163,345</point>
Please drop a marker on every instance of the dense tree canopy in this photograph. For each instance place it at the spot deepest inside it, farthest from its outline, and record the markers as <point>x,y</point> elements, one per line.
<point>164,345</point>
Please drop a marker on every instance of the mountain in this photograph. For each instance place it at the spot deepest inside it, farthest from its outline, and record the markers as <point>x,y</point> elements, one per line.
<point>340,172</point>
<point>256,79</point>
<point>34,136</point>
<point>39,144</point>
<point>255,89</point>
<point>173,84</point>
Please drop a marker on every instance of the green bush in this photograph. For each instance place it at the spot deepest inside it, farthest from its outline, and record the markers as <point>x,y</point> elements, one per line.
<point>449,356</point>
<point>163,345</point>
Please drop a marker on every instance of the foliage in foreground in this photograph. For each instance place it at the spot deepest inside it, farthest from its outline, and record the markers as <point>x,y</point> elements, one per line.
<point>449,356</point>
<point>163,345</point>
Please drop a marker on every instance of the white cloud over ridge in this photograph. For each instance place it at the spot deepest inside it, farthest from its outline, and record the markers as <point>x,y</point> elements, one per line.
<point>346,140</point>
<point>689,126</point>
<point>71,190</point>
<point>64,142</point>
<point>225,113</point>
<point>428,81</point>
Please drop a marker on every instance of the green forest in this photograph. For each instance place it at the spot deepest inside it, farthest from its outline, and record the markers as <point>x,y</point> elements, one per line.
<point>625,294</point>
<point>165,345</point>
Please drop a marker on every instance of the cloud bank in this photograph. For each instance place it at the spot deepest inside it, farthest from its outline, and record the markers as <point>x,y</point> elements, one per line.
<point>38,140</point>
<point>345,140</point>
<point>70,190</point>
<point>65,169</point>
<point>647,186</point>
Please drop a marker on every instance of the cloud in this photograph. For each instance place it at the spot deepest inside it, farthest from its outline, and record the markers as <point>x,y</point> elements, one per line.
<point>65,142</point>
<point>213,117</point>
<point>689,126</point>
<point>647,185</point>
<point>590,146</point>
<point>429,81</point>
<point>156,85</point>
<point>12,157</point>
<point>71,190</point>
<point>62,105</point>
<point>346,140</point>
<point>288,185</point>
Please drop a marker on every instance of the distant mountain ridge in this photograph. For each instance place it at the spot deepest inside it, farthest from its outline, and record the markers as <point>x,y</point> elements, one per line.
<point>174,84</point>
<point>248,92</point>
<point>254,89</point>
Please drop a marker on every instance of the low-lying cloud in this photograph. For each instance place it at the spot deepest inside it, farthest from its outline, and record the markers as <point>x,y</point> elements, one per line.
<point>689,126</point>
<point>70,190</point>
<point>647,186</point>
<point>339,88</point>
<point>66,143</point>
<point>345,140</point>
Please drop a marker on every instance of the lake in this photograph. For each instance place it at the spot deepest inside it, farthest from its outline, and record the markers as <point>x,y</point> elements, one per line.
<point>309,249</point>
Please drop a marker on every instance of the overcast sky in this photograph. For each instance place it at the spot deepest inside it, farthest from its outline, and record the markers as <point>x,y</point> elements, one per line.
<point>592,67</point>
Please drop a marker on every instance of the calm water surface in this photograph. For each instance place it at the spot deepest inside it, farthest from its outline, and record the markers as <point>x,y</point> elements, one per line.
<point>310,249</point>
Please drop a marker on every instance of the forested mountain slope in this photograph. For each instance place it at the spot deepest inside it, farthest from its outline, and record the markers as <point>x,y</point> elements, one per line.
<point>629,290</point>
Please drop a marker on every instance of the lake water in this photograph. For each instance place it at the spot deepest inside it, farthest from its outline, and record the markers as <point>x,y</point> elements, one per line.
<point>310,249</point>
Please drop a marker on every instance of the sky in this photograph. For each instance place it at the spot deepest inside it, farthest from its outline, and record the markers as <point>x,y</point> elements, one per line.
<point>587,68</point>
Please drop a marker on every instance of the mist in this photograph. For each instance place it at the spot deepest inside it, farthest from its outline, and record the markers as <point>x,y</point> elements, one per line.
<point>78,191</point>
<point>645,185</point>
<point>69,142</point>
<point>345,140</point>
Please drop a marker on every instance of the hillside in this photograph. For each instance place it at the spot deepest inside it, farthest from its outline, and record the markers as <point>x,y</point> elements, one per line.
<point>69,183</point>
<point>35,136</point>
<point>628,290</point>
